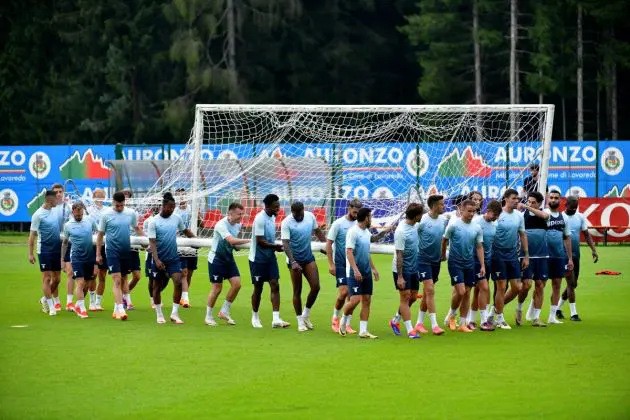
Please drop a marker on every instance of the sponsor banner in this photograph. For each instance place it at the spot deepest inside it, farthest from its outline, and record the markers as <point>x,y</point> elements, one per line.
<point>607,212</point>
<point>369,171</point>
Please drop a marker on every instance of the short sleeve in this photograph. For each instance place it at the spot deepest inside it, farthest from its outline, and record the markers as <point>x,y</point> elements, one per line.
<point>285,232</point>
<point>583,224</point>
<point>479,237</point>
<point>66,231</point>
<point>152,234</point>
<point>259,225</point>
<point>521,222</point>
<point>134,220</point>
<point>102,223</point>
<point>399,240</point>
<point>449,231</point>
<point>351,239</point>
<point>222,230</point>
<point>180,224</point>
<point>314,221</point>
<point>332,233</point>
<point>145,225</point>
<point>567,230</point>
<point>94,226</point>
<point>35,220</point>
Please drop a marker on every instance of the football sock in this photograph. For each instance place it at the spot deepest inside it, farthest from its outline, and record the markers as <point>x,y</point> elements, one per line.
<point>208,312</point>
<point>363,327</point>
<point>408,326</point>
<point>276,316</point>
<point>185,295</point>
<point>69,298</point>
<point>573,309</point>
<point>175,310</point>
<point>306,312</point>
<point>433,320</point>
<point>421,315</point>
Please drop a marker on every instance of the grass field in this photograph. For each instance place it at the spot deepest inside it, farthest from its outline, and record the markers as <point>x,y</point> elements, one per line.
<point>101,368</point>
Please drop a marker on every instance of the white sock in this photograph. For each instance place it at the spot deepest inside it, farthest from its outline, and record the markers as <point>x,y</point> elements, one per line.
<point>300,319</point>
<point>175,310</point>
<point>453,312</point>
<point>81,304</point>
<point>69,298</point>
<point>473,316</point>
<point>484,316</point>
<point>127,297</point>
<point>226,307</point>
<point>396,317</point>
<point>158,309</point>
<point>362,327</point>
<point>99,299</point>
<point>208,312</point>
<point>115,307</point>
<point>573,309</point>
<point>51,303</point>
<point>276,316</point>
<point>408,326</point>
<point>56,300</point>
<point>560,303</point>
<point>500,318</point>
<point>433,320</point>
<point>519,306</point>
<point>336,313</point>
<point>552,312</point>
<point>536,313</point>
<point>255,315</point>
<point>344,321</point>
<point>306,312</point>
<point>421,315</point>
<point>92,297</point>
<point>348,320</point>
<point>530,308</point>
<point>462,320</point>
<point>185,295</point>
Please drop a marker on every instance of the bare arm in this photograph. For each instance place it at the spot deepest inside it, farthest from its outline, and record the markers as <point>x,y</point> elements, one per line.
<point>591,244</point>
<point>263,243</point>
<point>99,245</point>
<point>329,253</point>
<point>320,235</point>
<point>378,236</point>
<point>64,247</point>
<point>353,264</point>
<point>400,281</point>
<point>444,246</point>
<point>236,241</point>
<point>537,212</point>
<point>139,231</point>
<point>480,257</point>
<point>32,237</point>
<point>154,254</point>
<point>567,247</point>
<point>525,247</point>
<point>189,233</point>
<point>374,270</point>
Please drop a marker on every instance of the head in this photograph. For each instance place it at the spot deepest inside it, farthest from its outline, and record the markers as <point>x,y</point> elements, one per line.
<point>50,199</point>
<point>98,195</point>
<point>554,199</point>
<point>510,199</point>
<point>535,199</point>
<point>493,210</point>
<point>77,211</point>
<point>297,210</point>
<point>572,205</point>
<point>179,193</point>
<point>272,204</point>
<point>534,170</point>
<point>168,204</point>
<point>353,209</point>
<point>235,213</point>
<point>436,204</point>
<point>414,212</point>
<point>58,189</point>
<point>118,201</point>
<point>467,209</point>
<point>477,197</point>
<point>365,216</point>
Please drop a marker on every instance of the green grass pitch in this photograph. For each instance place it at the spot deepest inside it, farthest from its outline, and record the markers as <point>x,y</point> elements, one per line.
<point>101,368</point>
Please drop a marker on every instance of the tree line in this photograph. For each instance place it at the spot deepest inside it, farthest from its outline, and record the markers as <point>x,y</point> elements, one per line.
<point>131,71</point>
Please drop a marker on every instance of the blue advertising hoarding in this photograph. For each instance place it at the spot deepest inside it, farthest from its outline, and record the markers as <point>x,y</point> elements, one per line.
<point>368,170</point>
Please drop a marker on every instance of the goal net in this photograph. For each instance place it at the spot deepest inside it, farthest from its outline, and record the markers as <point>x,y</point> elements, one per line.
<point>324,156</point>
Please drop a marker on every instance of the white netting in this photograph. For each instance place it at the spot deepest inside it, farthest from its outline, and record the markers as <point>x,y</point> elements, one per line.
<point>325,156</point>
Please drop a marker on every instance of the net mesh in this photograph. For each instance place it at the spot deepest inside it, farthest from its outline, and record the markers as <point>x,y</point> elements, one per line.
<point>326,156</point>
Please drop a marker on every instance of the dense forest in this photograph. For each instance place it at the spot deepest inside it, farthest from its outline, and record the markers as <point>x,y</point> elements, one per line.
<point>88,71</point>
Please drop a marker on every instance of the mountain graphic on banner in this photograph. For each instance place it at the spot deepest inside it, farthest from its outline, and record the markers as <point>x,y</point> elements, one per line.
<point>614,192</point>
<point>36,202</point>
<point>467,164</point>
<point>87,166</point>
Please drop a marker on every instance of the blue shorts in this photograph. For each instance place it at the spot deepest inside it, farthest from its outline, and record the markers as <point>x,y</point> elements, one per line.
<point>118,263</point>
<point>66,257</point>
<point>148,265</point>
<point>429,271</point>
<point>302,263</point>
<point>557,268</point>
<point>171,267</point>
<point>478,269</point>
<point>49,261</point>
<point>219,271</point>
<point>342,279</point>
<point>506,269</point>
<point>189,262</point>
<point>363,287</point>
<point>104,265</point>
<point>412,281</point>
<point>83,269</point>
<point>461,275</point>
<point>134,261</point>
<point>264,272</point>
<point>537,269</point>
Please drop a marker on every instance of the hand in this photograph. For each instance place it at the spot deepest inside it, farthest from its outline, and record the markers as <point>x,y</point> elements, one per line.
<point>295,266</point>
<point>595,257</point>
<point>332,270</point>
<point>521,206</point>
<point>570,265</point>
<point>278,248</point>
<point>375,275</point>
<point>525,262</point>
<point>357,275</point>
<point>31,258</point>
<point>482,272</point>
<point>400,282</point>
<point>158,264</point>
<point>99,260</point>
